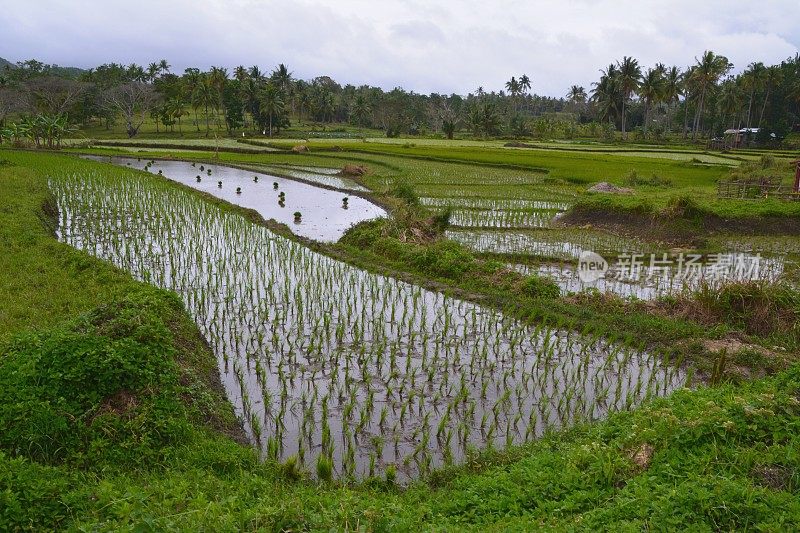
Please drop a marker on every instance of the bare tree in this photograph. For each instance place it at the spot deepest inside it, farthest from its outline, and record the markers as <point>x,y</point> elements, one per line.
<point>55,96</point>
<point>133,100</point>
<point>448,118</point>
<point>11,101</point>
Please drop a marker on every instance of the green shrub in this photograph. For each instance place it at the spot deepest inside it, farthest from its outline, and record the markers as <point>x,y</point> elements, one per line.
<point>760,309</point>
<point>102,384</point>
<point>390,247</point>
<point>683,207</point>
<point>633,179</point>
<point>404,191</point>
<point>444,258</point>
<point>363,235</point>
<point>539,287</point>
<point>441,220</point>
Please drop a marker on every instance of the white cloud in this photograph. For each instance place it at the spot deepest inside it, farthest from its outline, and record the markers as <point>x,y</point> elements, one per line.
<point>446,47</point>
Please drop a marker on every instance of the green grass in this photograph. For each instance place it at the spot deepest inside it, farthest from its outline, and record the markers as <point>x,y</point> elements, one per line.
<point>77,333</point>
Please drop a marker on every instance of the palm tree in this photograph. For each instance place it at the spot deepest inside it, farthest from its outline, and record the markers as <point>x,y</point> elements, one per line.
<point>250,92</point>
<point>205,95</point>
<point>191,80</point>
<point>300,97</point>
<point>514,89</point>
<point>282,77</point>
<point>630,74</point>
<point>136,72</point>
<point>218,77</point>
<point>705,75</point>
<point>164,66</point>
<point>672,90</point>
<point>577,96</point>
<point>360,110</point>
<point>730,100</point>
<point>773,78</point>
<point>525,83</point>
<point>271,103</point>
<point>753,79</point>
<point>152,72</point>
<point>651,90</point>
<point>607,94</point>
<point>240,73</point>
<point>256,73</point>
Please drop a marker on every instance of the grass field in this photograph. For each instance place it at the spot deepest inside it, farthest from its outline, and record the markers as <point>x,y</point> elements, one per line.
<point>142,454</point>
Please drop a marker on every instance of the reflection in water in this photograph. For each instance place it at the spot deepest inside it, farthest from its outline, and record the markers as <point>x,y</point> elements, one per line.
<point>321,359</point>
<point>323,216</point>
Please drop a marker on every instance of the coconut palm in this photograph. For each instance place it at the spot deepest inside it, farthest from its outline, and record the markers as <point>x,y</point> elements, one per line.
<point>772,79</point>
<point>256,73</point>
<point>514,89</point>
<point>753,79</point>
<point>271,103</point>
<point>164,66</point>
<point>360,110</point>
<point>240,73</point>
<point>672,90</point>
<point>205,95</point>
<point>136,72</point>
<point>525,83</point>
<point>153,71</point>
<point>650,91</point>
<point>577,96</point>
<point>704,77</point>
<point>250,94</point>
<point>607,94</point>
<point>282,78</point>
<point>217,78</point>
<point>730,100</point>
<point>175,109</point>
<point>630,74</point>
<point>301,97</point>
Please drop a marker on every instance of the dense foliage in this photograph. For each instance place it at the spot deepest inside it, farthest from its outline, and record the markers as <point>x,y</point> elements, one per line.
<point>702,100</point>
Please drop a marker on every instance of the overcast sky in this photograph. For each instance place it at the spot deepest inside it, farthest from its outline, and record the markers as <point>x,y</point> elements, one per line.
<point>425,46</point>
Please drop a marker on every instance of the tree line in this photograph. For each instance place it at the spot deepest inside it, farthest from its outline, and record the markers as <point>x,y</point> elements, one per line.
<point>701,101</point>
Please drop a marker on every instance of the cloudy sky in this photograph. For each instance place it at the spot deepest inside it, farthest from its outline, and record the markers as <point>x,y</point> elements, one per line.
<point>425,46</point>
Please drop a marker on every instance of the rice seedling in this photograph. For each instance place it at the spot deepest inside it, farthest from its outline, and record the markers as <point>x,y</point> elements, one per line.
<point>331,364</point>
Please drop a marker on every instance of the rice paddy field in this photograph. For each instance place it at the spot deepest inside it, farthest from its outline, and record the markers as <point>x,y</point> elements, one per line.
<point>508,201</point>
<point>365,396</point>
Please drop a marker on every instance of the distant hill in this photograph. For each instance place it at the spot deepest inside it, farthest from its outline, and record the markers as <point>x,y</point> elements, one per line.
<point>54,70</point>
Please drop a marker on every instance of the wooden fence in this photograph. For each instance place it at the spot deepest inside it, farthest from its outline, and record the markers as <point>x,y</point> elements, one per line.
<point>756,189</point>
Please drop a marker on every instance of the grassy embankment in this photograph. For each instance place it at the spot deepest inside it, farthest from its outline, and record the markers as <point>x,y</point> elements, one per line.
<point>116,380</point>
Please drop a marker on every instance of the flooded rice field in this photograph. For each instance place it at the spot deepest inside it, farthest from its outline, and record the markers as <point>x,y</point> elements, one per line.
<point>324,214</point>
<point>546,243</point>
<point>328,177</point>
<point>649,285</point>
<point>654,278</point>
<point>331,364</point>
